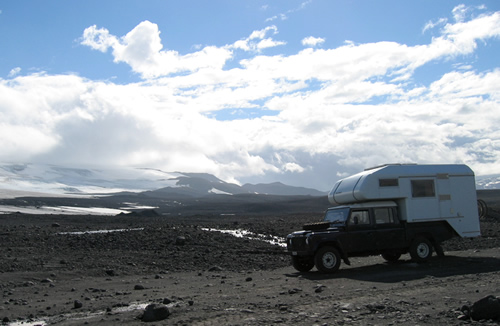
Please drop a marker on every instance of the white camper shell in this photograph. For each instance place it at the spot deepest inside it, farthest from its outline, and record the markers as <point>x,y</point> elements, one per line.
<point>423,193</point>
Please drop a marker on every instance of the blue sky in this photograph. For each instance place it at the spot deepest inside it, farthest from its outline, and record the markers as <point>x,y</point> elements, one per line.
<point>301,92</point>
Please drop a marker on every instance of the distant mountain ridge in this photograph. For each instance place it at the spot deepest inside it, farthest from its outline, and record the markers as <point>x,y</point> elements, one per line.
<point>488,182</point>
<point>56,179</point>
<point>198,185</point>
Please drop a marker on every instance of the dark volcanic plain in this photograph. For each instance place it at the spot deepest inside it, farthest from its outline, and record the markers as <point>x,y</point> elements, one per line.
<point>50,275</point>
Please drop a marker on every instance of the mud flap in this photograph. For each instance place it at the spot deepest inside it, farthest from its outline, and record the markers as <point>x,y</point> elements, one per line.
<point>437,247</point>
<point>345,259</point>
<point>343,255</point>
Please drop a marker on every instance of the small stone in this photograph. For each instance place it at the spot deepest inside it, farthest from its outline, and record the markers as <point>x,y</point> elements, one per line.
<point>77,304</point>
<point>215,269</point>
<point>139,287</point>
<point>180,241</point>
<point>110,272</point>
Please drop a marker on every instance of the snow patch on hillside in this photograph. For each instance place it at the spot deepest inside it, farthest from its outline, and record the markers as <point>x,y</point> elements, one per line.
<point>53,179</point>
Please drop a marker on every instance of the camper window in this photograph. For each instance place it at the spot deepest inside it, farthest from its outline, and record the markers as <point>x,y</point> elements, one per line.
<point>388,182</point>
<point>422,188</point>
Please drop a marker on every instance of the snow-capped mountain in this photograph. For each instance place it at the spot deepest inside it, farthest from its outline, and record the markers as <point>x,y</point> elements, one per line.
<point>488,182</point>
<point>53,179</point>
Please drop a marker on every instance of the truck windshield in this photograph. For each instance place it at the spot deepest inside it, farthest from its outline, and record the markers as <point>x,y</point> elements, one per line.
<point>337,216</point>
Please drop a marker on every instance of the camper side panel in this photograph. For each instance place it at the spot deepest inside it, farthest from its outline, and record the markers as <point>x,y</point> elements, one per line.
<point>446,198</point>
<point>464,218</point>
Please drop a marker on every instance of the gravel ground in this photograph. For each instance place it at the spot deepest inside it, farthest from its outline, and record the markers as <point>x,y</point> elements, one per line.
<point>57,269</point>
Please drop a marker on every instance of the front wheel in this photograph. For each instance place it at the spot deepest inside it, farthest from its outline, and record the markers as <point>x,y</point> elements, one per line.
<point>421,250</point>
<point>327,259</point>
<point>302,264</point>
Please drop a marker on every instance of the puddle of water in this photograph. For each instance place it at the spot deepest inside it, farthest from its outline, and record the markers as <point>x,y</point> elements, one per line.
<point>129,206</point>
<point>77,316</point>
<point>70,210</point>
<point>239,233</point>
<point>100,231</point>
<point>28,323</point>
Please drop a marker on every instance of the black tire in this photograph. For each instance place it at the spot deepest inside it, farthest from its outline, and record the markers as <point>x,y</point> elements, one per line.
<point>302,264</point>
<point>391,256</point>
<point>482,209</point>
<point>327,259</point>
<point>421,250</point>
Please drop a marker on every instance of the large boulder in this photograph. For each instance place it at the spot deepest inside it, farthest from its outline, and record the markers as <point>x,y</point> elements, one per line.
<point>485,309</point>
<point>155,312</point>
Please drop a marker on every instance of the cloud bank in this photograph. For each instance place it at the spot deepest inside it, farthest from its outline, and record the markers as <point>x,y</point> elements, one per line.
<point>241,114</point>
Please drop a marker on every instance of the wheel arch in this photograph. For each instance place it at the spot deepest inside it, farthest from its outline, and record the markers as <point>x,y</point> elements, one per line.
<point>337,245</point>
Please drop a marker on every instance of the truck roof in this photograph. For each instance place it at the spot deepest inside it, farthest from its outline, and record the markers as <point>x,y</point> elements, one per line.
<point>418,170</point>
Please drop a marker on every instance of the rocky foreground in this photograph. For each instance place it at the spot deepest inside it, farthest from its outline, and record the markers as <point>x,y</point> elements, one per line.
<point>60,270</point>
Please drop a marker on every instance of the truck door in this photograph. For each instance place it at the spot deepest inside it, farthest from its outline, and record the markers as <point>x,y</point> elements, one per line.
<point>390,233</point>
<point>359,237</point>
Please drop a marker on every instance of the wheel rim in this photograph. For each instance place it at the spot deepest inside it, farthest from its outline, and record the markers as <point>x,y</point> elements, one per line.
<point>422,250</point>
<point>329,260</point>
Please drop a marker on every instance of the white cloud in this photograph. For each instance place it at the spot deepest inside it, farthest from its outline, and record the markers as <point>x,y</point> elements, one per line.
<point>258,40</point>
<point>14,72</point>
<point>98,38</point>
<point>460,12</point>
<point>141,48</point>
<point>284,15</point>
<point>319,110</point>
<point>312,41</point>
<point>433,24</point>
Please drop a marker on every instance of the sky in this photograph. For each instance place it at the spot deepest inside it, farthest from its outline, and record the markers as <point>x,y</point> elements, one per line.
<point>302,92</point>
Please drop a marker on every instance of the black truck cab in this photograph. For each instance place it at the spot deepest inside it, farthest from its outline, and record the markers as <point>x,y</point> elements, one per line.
<point>372,228</point>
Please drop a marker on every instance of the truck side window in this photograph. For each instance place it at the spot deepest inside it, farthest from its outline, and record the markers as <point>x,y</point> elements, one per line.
<point>359,218</point>
<point>383,215</point>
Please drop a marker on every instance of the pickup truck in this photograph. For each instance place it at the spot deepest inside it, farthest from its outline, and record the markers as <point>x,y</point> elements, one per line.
<point>363,230</point>
<point>389,210</point>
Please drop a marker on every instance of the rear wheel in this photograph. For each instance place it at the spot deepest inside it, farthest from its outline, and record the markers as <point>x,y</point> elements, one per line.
<point>327,259</point>
<point>302,264</point>
<point>391,256</point>
<point>421,250</point>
